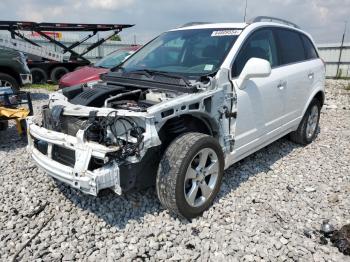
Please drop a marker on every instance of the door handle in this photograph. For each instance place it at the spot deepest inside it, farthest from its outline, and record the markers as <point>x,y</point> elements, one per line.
<point>281,85</point>
<point>310,76</point>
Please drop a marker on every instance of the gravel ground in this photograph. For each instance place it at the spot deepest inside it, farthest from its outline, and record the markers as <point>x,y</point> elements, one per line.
<point>265,204</point>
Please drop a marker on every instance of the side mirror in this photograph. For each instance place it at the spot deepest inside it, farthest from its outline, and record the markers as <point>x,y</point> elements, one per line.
<point>255,67</point>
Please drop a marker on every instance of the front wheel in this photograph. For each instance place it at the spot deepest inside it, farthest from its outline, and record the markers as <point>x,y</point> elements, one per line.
<point>190,173</point>
<point>308,126</point>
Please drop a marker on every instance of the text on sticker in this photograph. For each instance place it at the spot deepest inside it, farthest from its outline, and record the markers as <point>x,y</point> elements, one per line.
<point>226,32</point>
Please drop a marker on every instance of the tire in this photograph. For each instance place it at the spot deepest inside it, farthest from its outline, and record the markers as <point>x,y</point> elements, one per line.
<point>57,73</point>
<point>4,124</point>
<point>176,179</point>
<point>308,126</point>
<point>9,81</point>
<point>39,75</point>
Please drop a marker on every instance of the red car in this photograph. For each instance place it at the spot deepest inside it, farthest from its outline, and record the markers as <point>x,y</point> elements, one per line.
<point>91,73</point>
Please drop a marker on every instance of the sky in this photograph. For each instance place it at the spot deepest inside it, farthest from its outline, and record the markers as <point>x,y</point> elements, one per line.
<point>323,19</point>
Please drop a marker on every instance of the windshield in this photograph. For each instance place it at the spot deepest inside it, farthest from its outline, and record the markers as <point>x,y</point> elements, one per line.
<point>113,59</point>
<point>186,52</point>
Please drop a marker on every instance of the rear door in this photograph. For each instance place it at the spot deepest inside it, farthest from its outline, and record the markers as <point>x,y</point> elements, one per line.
<point>315,68</point>
<point>301,71</point>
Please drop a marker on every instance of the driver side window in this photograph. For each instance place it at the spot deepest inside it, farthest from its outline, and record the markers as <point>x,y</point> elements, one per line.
<point>260,44</point>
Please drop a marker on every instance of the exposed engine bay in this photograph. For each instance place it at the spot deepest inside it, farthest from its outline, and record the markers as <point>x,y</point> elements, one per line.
<point>117,97</point>
<point>127,133</point>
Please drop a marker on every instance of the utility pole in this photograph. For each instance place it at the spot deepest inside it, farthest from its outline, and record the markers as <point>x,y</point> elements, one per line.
<point>341,51</point>
<point>245,10</point>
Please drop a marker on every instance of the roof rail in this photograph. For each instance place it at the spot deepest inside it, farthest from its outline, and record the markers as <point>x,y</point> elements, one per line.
<point>272,19</point>
<point>194,23</point>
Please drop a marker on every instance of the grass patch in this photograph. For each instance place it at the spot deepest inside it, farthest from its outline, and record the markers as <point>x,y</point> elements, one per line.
<point>44,86</point>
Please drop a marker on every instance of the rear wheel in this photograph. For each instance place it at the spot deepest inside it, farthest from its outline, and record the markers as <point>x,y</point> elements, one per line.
<point>190,173</point>
<point>308,126</point>
<point>39,75</point>
<point>9,81</point>
<point>57,73</point>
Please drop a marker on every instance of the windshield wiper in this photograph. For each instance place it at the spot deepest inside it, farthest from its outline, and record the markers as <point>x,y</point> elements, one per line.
<point>145,72</point>
<point>115,68</point>
<point>149,73</point>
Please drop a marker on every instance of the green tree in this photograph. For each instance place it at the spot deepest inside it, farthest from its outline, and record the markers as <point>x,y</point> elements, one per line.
<point>115,38</point>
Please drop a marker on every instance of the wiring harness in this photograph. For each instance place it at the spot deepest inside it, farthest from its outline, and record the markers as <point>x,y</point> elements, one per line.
<point>97,130</point>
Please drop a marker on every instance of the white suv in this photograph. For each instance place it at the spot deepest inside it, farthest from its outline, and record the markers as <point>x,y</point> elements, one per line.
<point>183,108</point>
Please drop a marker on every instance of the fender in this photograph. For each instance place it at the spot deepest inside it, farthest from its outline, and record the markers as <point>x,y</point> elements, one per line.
<point>313,94</point>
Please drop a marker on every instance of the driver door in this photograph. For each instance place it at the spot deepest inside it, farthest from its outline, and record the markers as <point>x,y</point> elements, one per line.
<point>261,101</point>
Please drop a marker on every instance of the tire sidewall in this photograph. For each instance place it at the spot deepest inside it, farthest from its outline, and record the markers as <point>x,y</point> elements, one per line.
<point>306,118</point>
<point>181,202</point>
<point>12,81</point>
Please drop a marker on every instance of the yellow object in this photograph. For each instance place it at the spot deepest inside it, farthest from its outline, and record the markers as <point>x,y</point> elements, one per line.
<point>17,113</point>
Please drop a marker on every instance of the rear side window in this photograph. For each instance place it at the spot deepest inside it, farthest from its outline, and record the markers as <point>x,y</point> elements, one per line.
<point>290,46</point>
<point>260,44</point>
<point>310,50</point>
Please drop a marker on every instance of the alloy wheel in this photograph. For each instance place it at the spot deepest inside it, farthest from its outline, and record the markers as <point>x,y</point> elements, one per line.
<point>201,177</point>
<point>5,83</point>
<point>312,122</point>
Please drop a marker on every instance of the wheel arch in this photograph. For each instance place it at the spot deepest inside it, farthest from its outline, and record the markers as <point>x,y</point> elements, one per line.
<point>318,94</point>
<point>188,122</point>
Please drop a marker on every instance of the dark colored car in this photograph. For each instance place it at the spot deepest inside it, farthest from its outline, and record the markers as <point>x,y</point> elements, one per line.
<point>14,71</point>
<point>91,73</point>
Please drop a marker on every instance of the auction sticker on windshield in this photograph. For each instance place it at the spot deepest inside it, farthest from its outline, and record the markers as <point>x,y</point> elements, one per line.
<point>208,67</point>
<point>226,32</point>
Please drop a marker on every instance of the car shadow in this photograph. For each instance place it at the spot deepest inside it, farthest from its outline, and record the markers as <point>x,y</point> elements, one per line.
<point>116,211</point>
<point>262,161</point>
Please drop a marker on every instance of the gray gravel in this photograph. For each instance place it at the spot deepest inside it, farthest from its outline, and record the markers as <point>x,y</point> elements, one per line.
<point>266,203</point>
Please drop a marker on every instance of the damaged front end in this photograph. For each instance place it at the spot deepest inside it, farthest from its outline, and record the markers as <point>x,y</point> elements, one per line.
<point>86,146</point>
<point>68,159</point>
<point>112,135</point>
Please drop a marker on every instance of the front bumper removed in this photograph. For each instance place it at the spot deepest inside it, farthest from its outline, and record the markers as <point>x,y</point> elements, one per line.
<point>78,176</point>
